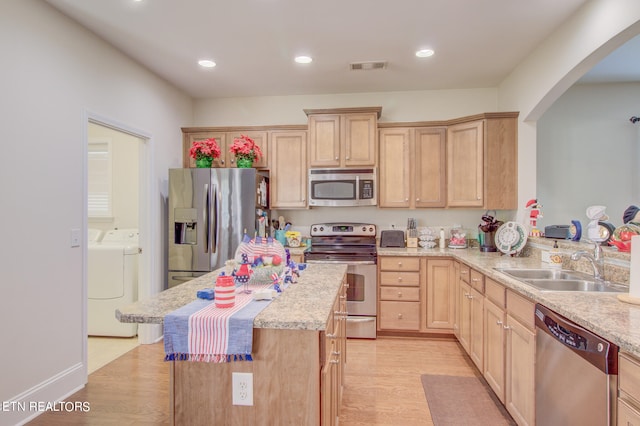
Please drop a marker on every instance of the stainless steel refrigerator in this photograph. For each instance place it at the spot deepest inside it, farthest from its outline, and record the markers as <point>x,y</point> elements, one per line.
<point>209,211</point>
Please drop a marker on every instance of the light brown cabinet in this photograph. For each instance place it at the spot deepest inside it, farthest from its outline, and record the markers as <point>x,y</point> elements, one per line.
<point>344,137</point>
<point>629,390</point>
<point>482,162</point>
<point>520,359</point>
<point>440,294</point>
<point>416,294</point>
<point>495,337</point>
<point>288,169</point>
<point>225,140</point>
<point>332,372</point>
<point>399,293</point>
<point>412,167</point>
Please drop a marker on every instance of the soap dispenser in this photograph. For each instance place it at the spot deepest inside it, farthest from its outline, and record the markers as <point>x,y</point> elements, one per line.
<point>555,257</point>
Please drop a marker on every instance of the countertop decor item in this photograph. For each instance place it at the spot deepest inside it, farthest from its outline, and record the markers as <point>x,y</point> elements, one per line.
<point>204,151</point>
<point>510,238</point>
<point>246,151</point>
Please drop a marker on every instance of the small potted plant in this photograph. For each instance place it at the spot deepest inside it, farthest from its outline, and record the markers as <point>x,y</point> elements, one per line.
<point>246,151</point>
<point>204,151</point>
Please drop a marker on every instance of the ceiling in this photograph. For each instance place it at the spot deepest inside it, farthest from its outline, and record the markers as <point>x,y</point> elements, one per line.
<point>476,43</point>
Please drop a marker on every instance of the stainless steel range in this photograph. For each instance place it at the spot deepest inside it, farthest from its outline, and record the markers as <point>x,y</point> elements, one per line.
<point>353,244</point>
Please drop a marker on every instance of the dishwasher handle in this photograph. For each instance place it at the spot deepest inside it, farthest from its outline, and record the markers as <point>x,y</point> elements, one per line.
<point>588,345</point>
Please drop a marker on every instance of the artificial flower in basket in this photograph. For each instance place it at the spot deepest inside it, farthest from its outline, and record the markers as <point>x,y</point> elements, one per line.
<point>246,151</point>
<point>204,152</point>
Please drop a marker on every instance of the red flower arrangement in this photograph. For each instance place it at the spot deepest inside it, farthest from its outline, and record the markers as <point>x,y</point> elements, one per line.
<point>245,148</point>
<point>207,148</point>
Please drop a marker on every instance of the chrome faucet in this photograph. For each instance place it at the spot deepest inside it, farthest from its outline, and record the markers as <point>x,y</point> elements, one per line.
<point>596,259</point>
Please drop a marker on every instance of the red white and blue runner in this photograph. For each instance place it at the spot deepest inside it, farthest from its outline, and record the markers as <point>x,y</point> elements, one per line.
<point>201,332</point>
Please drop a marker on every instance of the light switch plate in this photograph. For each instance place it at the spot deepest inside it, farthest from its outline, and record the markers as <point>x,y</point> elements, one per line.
<point>76,236</point>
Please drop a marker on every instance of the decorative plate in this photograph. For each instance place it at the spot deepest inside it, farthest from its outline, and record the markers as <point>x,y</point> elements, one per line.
<point>510,238</point>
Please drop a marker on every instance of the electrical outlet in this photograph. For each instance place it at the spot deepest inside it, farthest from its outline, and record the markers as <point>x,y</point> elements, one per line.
<point>242,388</point>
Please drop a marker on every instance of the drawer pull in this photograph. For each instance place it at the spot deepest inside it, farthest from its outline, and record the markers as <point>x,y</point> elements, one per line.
<point>331,336</point>
<point>499,322</point>
<point>465,272</point>
<point>506,327</point>
<point>475,279</point>
<point>399,294</point>
<point>399,263</point>
<point>399,316</point>
<point>399,279</point>
<point>334,361</point>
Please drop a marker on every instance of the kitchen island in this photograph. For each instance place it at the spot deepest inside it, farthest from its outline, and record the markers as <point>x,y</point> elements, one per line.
<point>298,355</point>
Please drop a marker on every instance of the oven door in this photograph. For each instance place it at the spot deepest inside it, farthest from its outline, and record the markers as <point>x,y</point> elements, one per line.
<point>361,300</point>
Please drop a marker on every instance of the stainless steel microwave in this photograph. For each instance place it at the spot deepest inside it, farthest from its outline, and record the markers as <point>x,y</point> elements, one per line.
<point>342,187</point>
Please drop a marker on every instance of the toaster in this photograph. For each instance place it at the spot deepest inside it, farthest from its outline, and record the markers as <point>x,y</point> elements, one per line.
<point>392,238</point>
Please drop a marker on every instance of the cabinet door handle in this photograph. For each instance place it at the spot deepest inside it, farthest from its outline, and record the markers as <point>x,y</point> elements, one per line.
<point>464,272</point>
<point>417,199</point>
<point>346,158</point>
<point>399,316</point>
<point>336,158</point>
<point>499,322</point>
<point>506,327</point>
<point>334,361</point>
<point>475,280</point>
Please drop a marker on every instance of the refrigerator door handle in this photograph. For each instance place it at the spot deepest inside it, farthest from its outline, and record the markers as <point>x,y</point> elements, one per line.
<point>205,216</point>
<point>214,220</point>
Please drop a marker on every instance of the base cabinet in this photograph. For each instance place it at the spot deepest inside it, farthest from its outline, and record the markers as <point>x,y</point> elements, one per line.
<point>416,294</point>
<point>494,348</point>
<point>520,359</point>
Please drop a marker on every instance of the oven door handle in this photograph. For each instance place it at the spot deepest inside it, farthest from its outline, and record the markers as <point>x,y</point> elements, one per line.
<point>360,319</point>
<point>348,262</point>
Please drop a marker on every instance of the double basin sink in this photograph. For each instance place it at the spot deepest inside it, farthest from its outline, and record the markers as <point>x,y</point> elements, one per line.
<point>562,280</point>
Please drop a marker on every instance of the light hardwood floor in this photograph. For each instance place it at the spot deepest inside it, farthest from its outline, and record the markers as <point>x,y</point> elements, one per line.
<point>382,384</point>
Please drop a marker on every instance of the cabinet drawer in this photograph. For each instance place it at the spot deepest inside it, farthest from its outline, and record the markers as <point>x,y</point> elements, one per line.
<point>521,308</point>
<point>627,415</point>
<point>399,264</point>
<point>400,278</point>
<point>495,292</point>
<point>629,376</point>
<point>410,294</point>
<point>477,281</point>
<point>400,315</point>
<point>465,273</point>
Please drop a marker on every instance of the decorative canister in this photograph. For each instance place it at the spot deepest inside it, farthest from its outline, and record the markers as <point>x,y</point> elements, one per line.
<point>225,292</point>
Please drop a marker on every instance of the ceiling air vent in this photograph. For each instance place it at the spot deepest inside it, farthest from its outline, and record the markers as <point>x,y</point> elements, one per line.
<point>366,66</point>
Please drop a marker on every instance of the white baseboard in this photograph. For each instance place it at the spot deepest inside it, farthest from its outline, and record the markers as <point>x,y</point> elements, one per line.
<point>45,395</point>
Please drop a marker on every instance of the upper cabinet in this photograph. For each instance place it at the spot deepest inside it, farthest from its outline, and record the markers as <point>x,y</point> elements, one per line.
<point>225,140</point>
<point>482,157</point>
<point>288,169</point>
<point>343,137</point>
<point>412,167</point>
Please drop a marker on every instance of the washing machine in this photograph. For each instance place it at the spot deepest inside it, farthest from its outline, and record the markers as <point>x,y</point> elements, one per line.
<point>113,281</point>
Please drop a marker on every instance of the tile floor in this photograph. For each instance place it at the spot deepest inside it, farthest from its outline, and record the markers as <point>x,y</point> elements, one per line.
<point>103,350</point>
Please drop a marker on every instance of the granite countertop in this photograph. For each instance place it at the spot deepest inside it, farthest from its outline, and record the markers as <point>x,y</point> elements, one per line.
<point>601,313</point>
<point>304,305</point>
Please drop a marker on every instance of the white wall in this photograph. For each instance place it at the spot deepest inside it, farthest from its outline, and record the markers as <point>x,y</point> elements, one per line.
<point>53,72</point>
<point>598,28</point>
<point>588,153</point>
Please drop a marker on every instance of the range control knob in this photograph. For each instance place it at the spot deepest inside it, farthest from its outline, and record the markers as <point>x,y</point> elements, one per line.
<point>371,229</point>
<point>364,229</point>
<point>322,229</point>
<point>314,229</point>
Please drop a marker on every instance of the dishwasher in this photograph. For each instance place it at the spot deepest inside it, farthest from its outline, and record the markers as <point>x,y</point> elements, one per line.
<point>576,373</point>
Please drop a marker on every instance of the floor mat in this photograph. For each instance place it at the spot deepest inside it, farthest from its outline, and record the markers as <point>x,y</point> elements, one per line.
<point>465,401</point>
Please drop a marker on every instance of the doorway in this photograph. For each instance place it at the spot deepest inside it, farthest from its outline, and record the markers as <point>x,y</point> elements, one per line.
<point>116,222</point>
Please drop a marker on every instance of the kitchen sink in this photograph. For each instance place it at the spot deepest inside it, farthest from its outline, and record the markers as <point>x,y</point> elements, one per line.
<point>562,280</point>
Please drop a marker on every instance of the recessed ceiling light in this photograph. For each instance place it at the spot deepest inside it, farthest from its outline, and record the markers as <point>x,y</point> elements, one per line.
<point>424,53</point>
<point>206,63</point>
<point>303,59</point>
